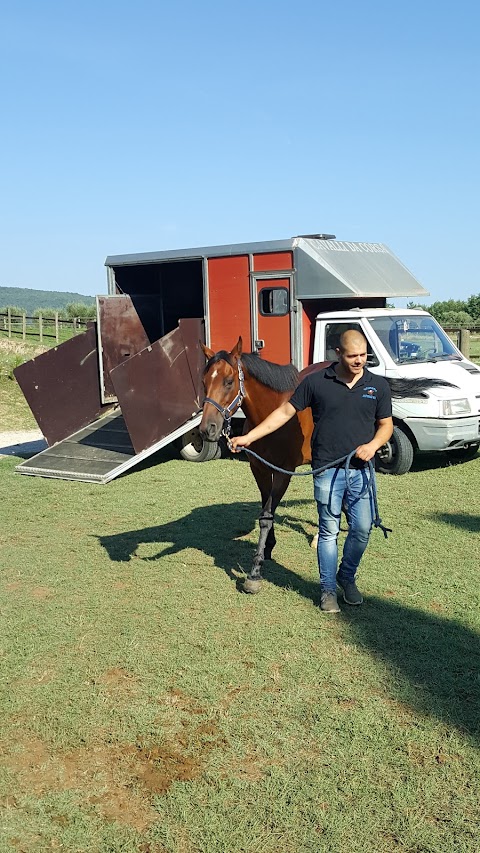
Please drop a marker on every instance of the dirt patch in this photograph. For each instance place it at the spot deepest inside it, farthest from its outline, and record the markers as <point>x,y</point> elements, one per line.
<point>41,592</point>
<point>11,345</point>
<point>115,677</point>
<point>161,766</point>
<point>437,607</point>
<point>103,775</point>
<point>347,704</point>
<point>119,781</point>
<point>176,698</point>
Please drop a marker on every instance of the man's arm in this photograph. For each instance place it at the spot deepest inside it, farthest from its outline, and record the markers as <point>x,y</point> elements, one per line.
<point>272,422</point>
<point>383,433</point>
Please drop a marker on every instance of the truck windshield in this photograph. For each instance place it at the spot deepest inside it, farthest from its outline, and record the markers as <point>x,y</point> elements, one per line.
<point>414,339</point>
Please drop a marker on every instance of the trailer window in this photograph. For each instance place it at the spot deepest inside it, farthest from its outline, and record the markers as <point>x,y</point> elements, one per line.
<point>273,301</point>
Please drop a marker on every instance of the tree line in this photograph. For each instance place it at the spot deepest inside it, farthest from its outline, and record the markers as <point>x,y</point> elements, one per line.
<point>74,310</point>
<point>451,312</point>
<point>454,312</point>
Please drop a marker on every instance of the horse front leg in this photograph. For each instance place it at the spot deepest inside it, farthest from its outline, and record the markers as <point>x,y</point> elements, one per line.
<point>253,582</point>
<point>266,540</point>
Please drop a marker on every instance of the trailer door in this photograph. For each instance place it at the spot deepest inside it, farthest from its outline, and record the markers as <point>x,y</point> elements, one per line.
<point>273,332</point>
<point>120,335</point>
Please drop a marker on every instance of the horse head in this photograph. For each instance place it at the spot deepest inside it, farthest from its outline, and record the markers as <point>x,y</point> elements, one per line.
<point>223,383</point>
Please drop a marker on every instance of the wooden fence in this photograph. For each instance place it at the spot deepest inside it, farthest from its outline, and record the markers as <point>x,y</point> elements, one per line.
<point>43,328</point>
<point>467,340</point>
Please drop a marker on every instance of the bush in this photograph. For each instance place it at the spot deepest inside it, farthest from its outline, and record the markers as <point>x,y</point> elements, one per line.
<point>81,310</point>
<point>457,318</point>
<point>14,310</point>
<point>473,307</point>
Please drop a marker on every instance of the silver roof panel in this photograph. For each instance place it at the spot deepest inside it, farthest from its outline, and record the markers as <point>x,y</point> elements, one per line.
<point>333,268</point>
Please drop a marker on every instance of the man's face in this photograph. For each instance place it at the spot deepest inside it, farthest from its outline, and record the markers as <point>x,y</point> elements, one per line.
<point>353,357</point>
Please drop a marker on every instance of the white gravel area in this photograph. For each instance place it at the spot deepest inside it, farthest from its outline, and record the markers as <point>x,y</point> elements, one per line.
<point>22,442</point>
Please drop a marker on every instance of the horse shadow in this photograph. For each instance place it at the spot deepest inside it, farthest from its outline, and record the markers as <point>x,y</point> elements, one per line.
<point>223,542</point>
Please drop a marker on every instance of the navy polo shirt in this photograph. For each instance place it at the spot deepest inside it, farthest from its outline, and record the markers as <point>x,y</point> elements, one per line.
<point>343,417</point>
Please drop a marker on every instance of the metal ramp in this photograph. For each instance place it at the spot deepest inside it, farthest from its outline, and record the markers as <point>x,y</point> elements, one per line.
<point>97,453</point>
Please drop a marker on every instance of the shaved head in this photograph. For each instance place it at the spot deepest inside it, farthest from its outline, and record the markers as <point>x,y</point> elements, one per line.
<point>352,340</point>
<point>352,354</point>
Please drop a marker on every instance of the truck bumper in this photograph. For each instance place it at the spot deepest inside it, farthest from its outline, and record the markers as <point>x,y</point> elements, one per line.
<point>435,434</point>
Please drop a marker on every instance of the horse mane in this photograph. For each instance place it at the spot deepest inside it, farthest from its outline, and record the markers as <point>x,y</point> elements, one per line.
<point>278,377</point>
<point>416,387</point>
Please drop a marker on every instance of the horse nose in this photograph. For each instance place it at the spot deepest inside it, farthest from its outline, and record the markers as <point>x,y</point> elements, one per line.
<point>209,431</point>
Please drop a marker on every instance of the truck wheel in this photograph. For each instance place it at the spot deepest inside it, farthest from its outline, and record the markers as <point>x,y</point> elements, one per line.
<point>194,448</point>
<point>396,456</point>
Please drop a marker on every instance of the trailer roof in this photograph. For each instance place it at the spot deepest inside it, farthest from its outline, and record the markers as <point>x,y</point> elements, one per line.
<point>334,268</point>
<point>325,268</point>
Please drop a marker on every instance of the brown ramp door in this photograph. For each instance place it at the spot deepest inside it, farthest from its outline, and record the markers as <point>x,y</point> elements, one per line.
<point>159,394</point>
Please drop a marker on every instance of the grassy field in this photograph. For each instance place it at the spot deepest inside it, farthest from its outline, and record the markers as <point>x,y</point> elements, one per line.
<point>151,706</point>
<point>15,413</point>
<point>475,347</point>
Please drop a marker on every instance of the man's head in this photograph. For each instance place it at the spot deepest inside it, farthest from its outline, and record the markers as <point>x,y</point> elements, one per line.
<point>352,351</point>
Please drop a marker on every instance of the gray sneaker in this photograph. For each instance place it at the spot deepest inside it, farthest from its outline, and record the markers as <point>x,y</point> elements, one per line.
<point>351,593</point>
<point>329,603</point>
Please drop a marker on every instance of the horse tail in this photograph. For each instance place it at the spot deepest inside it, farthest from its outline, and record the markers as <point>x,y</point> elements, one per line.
<point>416,387</point>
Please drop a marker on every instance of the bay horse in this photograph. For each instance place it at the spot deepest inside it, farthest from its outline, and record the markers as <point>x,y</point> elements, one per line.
<point>235,380</point>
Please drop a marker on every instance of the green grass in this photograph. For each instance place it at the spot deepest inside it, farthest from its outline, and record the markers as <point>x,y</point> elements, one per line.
<point>151,706</point>
<point>15,413</point>
<point>475,347</point>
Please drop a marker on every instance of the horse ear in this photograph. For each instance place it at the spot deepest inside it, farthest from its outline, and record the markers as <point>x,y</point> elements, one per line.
<point>208,353</point>
<point>238,348</point>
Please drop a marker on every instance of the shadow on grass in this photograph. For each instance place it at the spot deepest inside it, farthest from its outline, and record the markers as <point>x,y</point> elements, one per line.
<point>464,520</point>
<point>435,461</point>
<point>436,661</point>
<point>216,530</point>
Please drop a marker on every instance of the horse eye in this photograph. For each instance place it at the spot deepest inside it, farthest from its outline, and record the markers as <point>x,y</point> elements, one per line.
<point>229,383</point>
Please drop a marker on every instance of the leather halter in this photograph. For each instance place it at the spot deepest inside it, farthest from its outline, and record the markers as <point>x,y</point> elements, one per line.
<point>227,412</point>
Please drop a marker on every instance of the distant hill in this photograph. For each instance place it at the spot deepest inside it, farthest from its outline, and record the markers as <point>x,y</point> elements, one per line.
<point>30,300</point>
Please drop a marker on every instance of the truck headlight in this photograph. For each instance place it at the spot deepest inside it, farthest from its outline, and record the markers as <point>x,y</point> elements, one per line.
<point>455,407</point>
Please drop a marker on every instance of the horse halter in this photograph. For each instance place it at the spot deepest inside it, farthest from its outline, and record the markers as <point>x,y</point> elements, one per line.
<point>228,411</point>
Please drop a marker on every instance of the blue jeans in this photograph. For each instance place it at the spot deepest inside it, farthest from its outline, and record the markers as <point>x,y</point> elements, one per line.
<point>330,494</point>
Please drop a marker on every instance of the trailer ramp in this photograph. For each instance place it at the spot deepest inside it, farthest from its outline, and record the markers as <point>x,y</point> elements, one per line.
<point>96,454</point>
<point>158,390</point>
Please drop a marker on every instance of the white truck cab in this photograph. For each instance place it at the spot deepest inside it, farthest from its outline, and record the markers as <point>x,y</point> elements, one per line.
<point>409,343</point>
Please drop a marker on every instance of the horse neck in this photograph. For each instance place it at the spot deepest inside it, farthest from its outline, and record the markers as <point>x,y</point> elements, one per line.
<point>260,400</point>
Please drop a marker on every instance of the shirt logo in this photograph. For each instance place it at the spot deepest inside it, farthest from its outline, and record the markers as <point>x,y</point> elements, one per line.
<point>370,392</point>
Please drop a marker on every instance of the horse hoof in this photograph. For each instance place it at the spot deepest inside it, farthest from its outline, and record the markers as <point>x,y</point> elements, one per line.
<point>252,586</point>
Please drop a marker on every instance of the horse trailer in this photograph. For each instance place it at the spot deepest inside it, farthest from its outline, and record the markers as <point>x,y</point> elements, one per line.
<point>132,382</point>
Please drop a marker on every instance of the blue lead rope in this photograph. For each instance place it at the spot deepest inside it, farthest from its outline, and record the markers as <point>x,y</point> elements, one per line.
<point>370,485</point>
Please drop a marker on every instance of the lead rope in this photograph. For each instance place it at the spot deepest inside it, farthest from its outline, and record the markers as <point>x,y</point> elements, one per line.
<point>370,486</point>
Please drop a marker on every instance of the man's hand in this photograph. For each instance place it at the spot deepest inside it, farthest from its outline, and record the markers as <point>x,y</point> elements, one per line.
<point>365,452</point>
<point>237,442</point>
<point>272,422</point>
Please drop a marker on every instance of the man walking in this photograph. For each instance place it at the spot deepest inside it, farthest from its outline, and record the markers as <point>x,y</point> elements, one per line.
<point>352,410</point>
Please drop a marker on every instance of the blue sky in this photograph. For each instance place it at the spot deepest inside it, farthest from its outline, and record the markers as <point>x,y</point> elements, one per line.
<point>141,126</point>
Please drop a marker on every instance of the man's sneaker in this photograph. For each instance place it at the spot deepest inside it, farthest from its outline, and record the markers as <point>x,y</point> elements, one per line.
<point>329,603</point>
<point>351,593</point>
